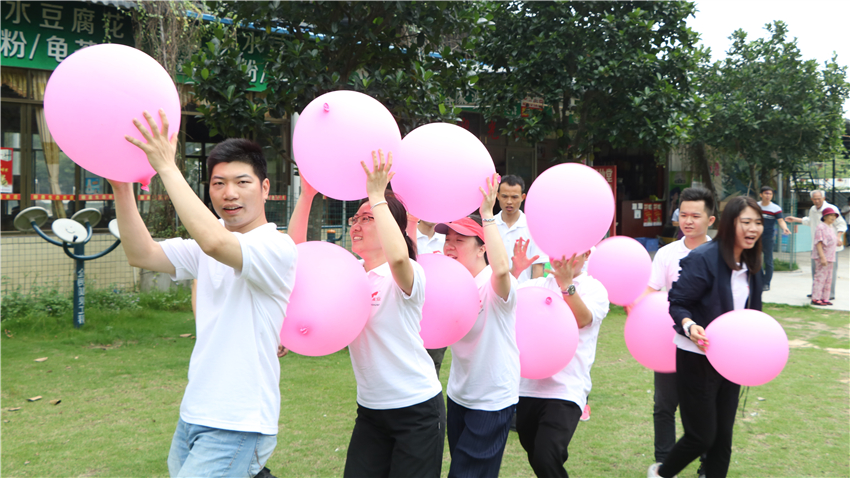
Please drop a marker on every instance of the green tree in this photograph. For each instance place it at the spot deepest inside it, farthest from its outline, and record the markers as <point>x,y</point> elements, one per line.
<point>771,110</point>
<point>615,73</point>
<point>408,55</point>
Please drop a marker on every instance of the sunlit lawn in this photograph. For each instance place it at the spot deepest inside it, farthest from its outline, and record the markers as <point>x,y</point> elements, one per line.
<point>120,380</point>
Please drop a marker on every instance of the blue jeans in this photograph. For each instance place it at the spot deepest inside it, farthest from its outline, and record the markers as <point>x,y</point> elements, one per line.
<point>203,451</point>
<point>477,440</point>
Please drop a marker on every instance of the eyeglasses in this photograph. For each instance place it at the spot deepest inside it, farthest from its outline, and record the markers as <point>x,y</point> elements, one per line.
<point>354,220</point>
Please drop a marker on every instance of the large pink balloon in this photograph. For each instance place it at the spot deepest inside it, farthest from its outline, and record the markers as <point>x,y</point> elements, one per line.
<point>337,131</point>
<point>569,209</point>
<point>439,170</point>
<point>649,333</point>
<point>747,347</point>
<point>546,332</point>
<point>326,310</point>
<point>90,102</point>
<point>451,301</point>
<point>623,266</point>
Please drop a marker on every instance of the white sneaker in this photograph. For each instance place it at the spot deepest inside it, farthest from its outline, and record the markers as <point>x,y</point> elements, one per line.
<point>652,472</point>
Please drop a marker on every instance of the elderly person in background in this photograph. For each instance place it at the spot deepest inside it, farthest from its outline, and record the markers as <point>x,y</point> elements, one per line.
<point>813,219</point>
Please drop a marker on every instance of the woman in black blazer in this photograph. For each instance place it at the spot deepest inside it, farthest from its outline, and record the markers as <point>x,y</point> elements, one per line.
<point>717,277</point>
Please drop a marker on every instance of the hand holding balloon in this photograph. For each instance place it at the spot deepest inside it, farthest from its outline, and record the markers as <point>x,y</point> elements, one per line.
<point>306,188</point>
<point>379,177</point>
<point>563,270</point>
<point>159,149</point>
<point>489,197</point>
<point>698,337</point>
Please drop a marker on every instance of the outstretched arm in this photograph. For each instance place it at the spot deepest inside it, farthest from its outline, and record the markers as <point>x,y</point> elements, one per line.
<point>496,253</point>
<point>391,237</point>
<point>297,227</point>
<point>216,241</point>
<point>141,250</point>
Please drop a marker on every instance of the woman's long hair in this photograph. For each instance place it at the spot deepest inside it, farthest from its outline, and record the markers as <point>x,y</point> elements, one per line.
<point>727,234</point>
<point>399,212</point>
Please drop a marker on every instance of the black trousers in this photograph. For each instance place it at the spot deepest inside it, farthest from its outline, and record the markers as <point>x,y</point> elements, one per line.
<point>664,414</point>
<point>477,440</point>
<point>545,428</point>
<point>402,442</point>
<point>708,403</point>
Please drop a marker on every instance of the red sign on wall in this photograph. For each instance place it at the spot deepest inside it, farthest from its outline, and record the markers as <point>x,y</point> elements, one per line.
<point>6,155</point>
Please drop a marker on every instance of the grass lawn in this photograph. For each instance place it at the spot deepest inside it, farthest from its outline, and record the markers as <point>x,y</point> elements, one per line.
<point>120,380</point>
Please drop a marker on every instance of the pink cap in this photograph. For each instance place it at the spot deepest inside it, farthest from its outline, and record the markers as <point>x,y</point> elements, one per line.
<point>827,211</point>
<point>465,227</point>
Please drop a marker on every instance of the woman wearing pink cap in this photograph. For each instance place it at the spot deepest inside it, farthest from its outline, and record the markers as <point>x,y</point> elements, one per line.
<point>483,387</point>
<point>824,255</point>
<point>398,430</point>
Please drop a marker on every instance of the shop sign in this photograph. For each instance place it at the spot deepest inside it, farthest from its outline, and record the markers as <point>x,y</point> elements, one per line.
<point>41,34</point>
<point>6,155</point>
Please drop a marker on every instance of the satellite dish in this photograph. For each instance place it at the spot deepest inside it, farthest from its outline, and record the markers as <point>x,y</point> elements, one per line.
<point>35,214</point>
<point>89,214</point>
<point>113,228</point>
<point>70,231</point>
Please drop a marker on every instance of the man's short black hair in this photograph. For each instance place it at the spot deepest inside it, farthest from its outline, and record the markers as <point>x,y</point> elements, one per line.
<point>766,188</point>
<point>699,194</point>
<point>240,150</point>
<point>513,180</point>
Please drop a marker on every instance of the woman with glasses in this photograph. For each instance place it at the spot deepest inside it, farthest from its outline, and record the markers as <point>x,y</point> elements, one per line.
<point>716,277</point>
<point>398,431</point>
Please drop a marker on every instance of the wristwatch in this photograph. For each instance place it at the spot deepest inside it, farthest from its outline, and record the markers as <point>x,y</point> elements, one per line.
<point>687,328</point>
<point>571,290</point>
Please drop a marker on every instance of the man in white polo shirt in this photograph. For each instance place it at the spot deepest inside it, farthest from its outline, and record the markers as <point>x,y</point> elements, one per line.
<point>696,215</point>
<point>513,226</point>
<point>245,270</point>
<point>549,409</point>
<point>812,220</point>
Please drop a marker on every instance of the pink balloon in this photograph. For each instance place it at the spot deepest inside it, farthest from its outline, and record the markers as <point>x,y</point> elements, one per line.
<point>649,333</point>
<point>451,301</point>
<point>90,102</point>
<point>337,131</point>
<point>326,311</point>
<point>569,209</point>
<point>446,157</point>
<point>623,266</point>
<point>546,332</point>
<point>747,347</point>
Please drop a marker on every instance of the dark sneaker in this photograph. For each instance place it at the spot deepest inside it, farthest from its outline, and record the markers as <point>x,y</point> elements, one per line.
<point>265,473</point>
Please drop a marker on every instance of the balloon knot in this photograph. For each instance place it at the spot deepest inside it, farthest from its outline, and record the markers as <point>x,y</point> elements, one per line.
<point>327,107</point>
<point>548,300</point>
<point>304,330</point>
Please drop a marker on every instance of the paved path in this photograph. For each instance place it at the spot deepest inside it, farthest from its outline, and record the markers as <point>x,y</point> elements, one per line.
<point>791,287</point>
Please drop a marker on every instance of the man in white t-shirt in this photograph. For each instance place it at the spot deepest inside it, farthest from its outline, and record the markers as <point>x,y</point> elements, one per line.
<point>513,227</point>
<point>812,220</point>
<point>549,409</point>
<point>245,270</point>
<point>696,215</point>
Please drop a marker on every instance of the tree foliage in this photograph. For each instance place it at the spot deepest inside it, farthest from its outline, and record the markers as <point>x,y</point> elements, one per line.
<point>411,56</point>
<point>615,73</point>
<point>771,110</point>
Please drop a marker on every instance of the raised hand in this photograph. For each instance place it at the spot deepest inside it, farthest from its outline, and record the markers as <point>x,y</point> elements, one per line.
<point>488,200</point>
<point>520,259</point>
<point>380,176</point>
<point>159,149</point>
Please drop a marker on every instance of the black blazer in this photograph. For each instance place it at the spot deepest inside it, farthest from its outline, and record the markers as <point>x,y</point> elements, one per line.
<point>703,291</point>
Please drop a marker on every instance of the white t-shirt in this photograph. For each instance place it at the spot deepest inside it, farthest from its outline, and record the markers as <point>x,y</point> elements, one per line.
<point>572,383</point>
<point>234,372</point>
<point>517,231</point>
<point>429,245</point>
<point>665,265</point>
<point>485,362</point>
<point>390,363</point>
